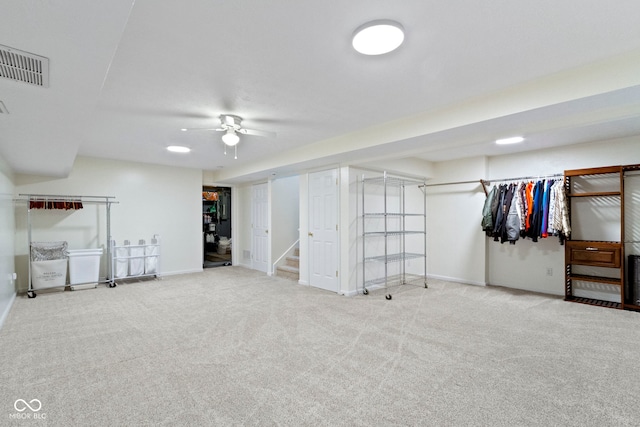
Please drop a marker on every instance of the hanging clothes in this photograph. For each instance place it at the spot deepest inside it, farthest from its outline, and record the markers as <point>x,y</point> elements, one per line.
<point>487,214</point>
<point>71,204</point>
<point>545,209</point>
<point>529,197</point>
<point>505,209</point>
<point>512,225</point>
<point>528,209</point>
<point>500,214</point>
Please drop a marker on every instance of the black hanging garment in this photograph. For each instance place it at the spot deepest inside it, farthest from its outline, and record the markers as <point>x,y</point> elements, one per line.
<point>499,215</point>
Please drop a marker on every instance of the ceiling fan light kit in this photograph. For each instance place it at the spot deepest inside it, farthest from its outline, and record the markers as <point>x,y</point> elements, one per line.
<point>230,137</point>
<point>231,126</point>
<point>378,37</point>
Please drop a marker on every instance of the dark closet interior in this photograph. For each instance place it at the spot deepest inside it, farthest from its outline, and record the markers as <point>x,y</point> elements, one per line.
<point>216,226</point>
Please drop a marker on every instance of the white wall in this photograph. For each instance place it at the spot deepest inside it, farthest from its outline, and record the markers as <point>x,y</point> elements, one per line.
<point>455,241</point>
<point>242,227</point>
<point>285,214</point>
<point>7,233</point>
<point>525,265</point>
<point>152,200</point>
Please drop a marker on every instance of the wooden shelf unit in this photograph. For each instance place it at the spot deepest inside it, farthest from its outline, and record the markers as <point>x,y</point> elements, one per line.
<point>609,255</point>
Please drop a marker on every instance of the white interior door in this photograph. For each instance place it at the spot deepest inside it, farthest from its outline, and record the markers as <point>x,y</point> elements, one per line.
<point>260,227</point>
<point>323,230</point>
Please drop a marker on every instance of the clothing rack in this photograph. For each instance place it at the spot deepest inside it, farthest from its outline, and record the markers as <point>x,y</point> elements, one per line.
<point>107,201</point>
<point>485,182</point>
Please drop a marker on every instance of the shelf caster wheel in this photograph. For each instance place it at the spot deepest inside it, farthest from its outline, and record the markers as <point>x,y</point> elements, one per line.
<point>425,286</point>
<point>365,291</point>
<point>31,294</point>
<point>112,285</point>
<point>388,296</point>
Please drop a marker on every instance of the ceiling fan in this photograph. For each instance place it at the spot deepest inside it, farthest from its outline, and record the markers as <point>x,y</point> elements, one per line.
<point>231,125</point>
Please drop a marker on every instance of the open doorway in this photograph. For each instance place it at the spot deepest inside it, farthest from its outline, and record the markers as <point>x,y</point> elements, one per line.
<point>216,226</point>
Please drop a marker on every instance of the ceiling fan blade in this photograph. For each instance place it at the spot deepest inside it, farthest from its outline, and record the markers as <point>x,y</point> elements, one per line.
<point>190,129</point>
<point>257,132</point>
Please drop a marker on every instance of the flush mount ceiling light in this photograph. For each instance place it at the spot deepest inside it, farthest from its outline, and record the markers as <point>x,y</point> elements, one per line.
<point>378,37</point>
<point>511,140</point>
<point>178,149</point>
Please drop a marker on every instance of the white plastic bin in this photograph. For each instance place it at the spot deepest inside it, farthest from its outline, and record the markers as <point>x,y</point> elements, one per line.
<point>223,245</point>
<point>84,266</point>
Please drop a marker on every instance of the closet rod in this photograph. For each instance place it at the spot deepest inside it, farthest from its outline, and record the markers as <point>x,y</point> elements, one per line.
<point>521,178</point>
<point>450,183</point>
<point>488,181</point>
<point>98,200</point>
<point>65,196</point>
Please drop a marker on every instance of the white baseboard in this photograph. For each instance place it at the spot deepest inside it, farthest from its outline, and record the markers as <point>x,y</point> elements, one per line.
<point>303,282</point>
<point>176,272</point>
<point>242,264</point>
<point>456,280</point>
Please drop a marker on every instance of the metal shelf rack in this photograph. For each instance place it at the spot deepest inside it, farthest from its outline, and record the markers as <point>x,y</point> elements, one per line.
<point>385,232</point>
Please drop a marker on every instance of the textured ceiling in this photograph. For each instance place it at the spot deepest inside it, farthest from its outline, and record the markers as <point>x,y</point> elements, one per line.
<point>126,76</point>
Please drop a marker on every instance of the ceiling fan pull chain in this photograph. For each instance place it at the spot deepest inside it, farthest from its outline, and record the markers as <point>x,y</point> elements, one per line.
<point>236,154</point>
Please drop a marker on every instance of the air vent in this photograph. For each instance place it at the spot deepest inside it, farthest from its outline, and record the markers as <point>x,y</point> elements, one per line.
<point>24,67</point>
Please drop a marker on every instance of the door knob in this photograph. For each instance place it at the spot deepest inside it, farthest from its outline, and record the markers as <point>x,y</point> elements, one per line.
<point>310,234</point>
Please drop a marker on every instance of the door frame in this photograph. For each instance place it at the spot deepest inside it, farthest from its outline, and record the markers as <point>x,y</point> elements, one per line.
<point>268,221</point>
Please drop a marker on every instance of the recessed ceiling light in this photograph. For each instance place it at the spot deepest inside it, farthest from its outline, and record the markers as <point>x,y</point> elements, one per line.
<point>511,140</point>
<point>178,149</point>
<point>378,37</point>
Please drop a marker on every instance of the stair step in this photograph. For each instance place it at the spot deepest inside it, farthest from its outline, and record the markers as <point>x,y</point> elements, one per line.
<point>288,272</point>
<point>293,261</point>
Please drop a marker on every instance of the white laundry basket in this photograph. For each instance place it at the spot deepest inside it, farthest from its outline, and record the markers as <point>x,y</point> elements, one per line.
<point>48,273</point>
<point>84,266</point>
<point>48,264</point>
<point>223,245</point>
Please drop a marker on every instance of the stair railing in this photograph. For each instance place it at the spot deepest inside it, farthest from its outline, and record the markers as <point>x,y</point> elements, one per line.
<point>293,245</point>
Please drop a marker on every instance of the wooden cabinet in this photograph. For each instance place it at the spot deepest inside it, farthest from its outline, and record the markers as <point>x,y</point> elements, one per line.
<point>594,265</point>
<point>597,254</point>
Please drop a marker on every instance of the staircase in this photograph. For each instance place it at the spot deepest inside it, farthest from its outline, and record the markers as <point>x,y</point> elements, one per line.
<point>291,269</point>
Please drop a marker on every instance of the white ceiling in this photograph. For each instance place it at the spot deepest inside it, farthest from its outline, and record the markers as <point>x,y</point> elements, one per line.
<point>126,76</point>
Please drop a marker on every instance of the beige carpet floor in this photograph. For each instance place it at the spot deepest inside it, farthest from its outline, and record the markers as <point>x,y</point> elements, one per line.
<point>231,346</point>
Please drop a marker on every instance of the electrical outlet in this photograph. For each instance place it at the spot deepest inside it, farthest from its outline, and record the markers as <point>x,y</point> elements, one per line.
<point>549,271</point>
